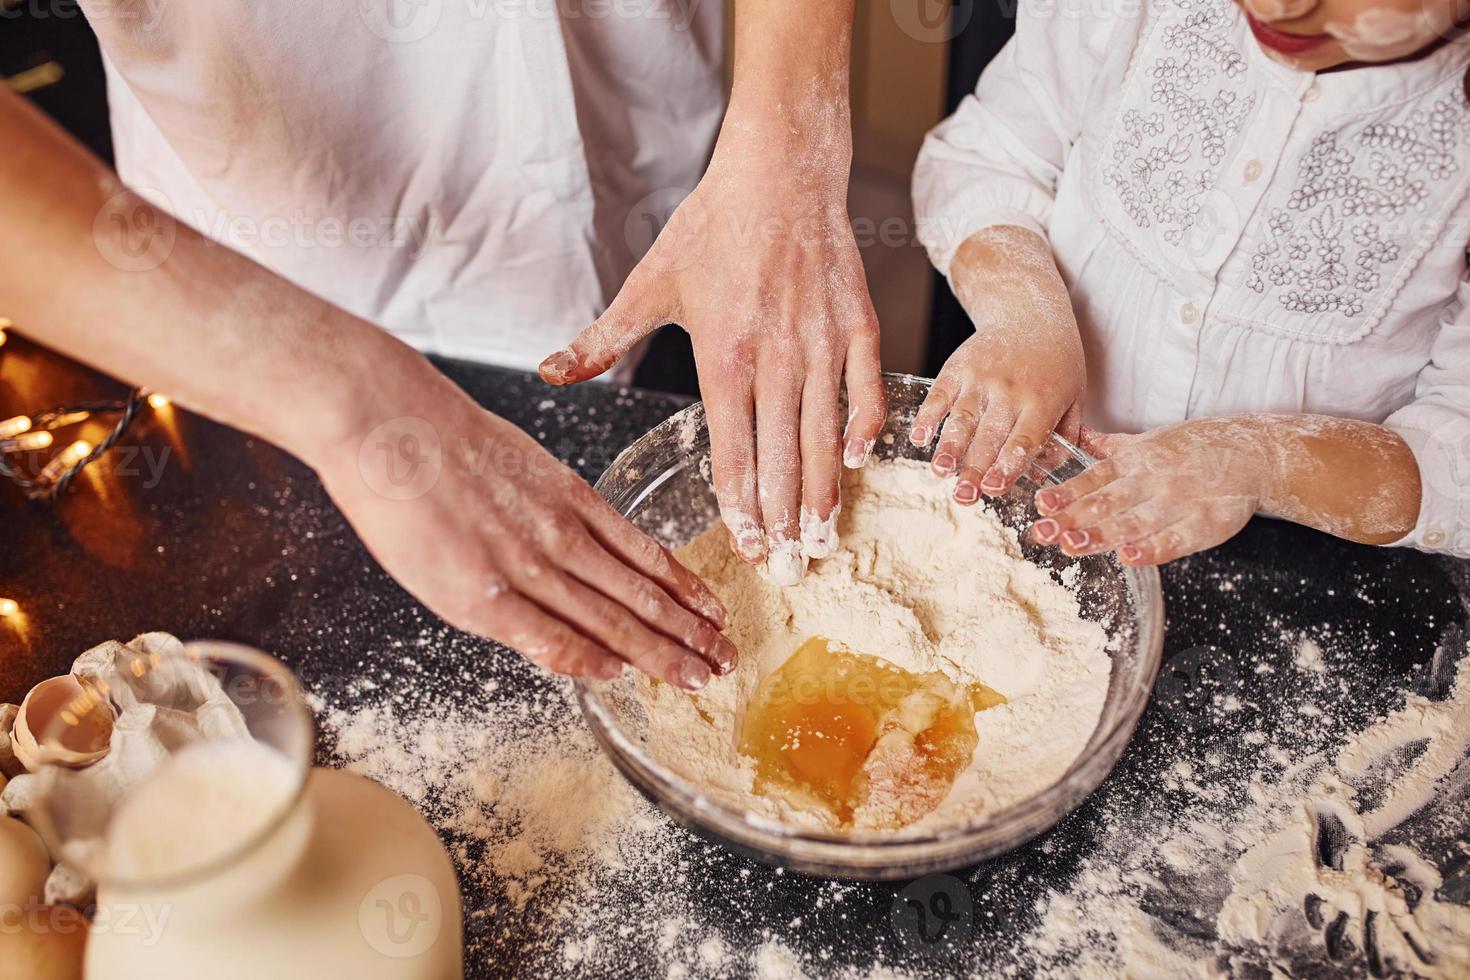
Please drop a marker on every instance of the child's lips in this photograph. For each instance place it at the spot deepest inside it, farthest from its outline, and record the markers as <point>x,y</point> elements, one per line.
<point>1283,41</point>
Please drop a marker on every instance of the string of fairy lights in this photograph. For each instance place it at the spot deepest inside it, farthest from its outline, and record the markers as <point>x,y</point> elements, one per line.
<point>23,435</point>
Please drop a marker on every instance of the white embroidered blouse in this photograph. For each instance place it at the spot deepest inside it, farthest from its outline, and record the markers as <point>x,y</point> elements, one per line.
<point>1236,235</point>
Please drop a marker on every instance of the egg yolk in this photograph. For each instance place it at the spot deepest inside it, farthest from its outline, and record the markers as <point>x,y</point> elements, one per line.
<point>838,728</point>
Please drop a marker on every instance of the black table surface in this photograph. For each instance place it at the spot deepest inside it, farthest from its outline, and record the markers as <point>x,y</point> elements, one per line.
<point>195,529</point>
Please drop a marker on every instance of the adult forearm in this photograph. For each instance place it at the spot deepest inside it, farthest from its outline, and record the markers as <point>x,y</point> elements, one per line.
<point>792,66</point>
<point>110,280</point>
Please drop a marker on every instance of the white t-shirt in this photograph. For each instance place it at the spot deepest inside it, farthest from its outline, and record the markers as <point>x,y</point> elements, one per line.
<point>478,176</point>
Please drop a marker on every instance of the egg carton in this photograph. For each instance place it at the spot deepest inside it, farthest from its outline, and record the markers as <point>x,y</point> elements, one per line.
<point>161,700</point>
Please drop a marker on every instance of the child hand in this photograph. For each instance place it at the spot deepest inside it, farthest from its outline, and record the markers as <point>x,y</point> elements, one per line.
<point>1021,374</point>
<point>1160,495</point>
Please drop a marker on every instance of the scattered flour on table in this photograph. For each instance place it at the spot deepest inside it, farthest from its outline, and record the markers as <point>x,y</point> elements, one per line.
<point>1336,852</point>
<point>588,878</point>
<point>927,585</point>
<point>597,883</point>
<point>1209,878</point>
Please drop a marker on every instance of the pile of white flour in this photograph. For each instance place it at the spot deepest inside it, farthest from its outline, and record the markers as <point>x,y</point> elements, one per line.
<point>929,586</point>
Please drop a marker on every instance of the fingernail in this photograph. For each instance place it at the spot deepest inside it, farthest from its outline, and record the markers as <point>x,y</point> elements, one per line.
<point>1076,539</point>
<point>559,366</point>
<point>693,674</point>
<point>609,669</point>
<point>855,452</point>
<point>993,483</point>
<point>920,435</point>
<point>1046,501</point>
<point>746,536</point>
<point>1045,531</point>
<point>818,535</point>
<point>943,464</point>
<point>785,563</point>
<point>965,492</point>
<point>724,655</point>
<point>1130,552</point>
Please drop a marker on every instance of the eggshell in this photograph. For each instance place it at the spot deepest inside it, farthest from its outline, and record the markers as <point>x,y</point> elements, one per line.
<point>51,709</point>
<point>24,865</point>
<point>44,941</point>
<point>9,764</point>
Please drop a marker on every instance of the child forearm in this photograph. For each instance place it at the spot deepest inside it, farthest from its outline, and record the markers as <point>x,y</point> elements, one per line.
<point>1186,487</point>
<point>1019,377</point>
<point>1354,479</point>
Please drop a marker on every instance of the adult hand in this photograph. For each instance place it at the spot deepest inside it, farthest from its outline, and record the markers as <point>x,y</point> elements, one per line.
<point>466,511</point>
<point>479,522</point>
<point>1163,494</point>
<point>1019,376</point>
<point>760,266</point>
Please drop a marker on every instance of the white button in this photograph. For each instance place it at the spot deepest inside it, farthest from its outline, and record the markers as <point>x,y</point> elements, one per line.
<point>1252,171</point>
<point>1312,92</point>
<point>1188,313</point>
<point>1434,537</point>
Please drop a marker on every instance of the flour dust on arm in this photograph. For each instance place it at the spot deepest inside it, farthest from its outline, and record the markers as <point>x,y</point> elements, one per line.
<point>759,264</point>
<point>1019,376</point>
<point>1186,487</point>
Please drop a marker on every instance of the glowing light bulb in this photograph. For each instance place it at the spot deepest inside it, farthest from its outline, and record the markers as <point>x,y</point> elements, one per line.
<point>157,400</point>
<point>70,418</point>
<point>9,607</point>
<point>10,428</point>
<point>65,460</point>
<point>27,441</point>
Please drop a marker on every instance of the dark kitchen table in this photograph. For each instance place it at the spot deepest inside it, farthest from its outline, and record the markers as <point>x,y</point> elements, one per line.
<point>233,539</point>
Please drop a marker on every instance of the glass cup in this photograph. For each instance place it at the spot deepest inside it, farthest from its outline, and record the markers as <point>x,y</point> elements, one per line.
<point>210,748</point>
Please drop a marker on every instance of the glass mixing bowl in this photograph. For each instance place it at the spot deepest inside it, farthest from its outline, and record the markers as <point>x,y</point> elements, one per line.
<point>662,484</point>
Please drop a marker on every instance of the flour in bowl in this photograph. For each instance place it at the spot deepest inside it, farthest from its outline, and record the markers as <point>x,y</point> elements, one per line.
<point>930,587</point>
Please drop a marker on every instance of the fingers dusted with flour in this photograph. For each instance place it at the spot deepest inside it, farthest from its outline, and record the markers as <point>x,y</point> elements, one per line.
<point>632,316</point>
<point>524,552</point>
<point>867,402</point>
<point>644,555</point>
<point>778,443</point>
<point>760,265</point>
<point>821,465</point>
<point>464,510</point>
<point>1018,377</point>
<point>1186,487</point>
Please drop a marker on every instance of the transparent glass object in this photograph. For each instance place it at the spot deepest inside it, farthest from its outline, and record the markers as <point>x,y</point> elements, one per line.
<point>662,483</point>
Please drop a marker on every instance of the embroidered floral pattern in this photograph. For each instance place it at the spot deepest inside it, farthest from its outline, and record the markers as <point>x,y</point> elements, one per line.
<point>1327,250</point>
<point>1168,152</point>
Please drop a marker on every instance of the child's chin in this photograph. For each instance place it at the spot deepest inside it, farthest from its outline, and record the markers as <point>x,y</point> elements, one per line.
<point>1314,61</point>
